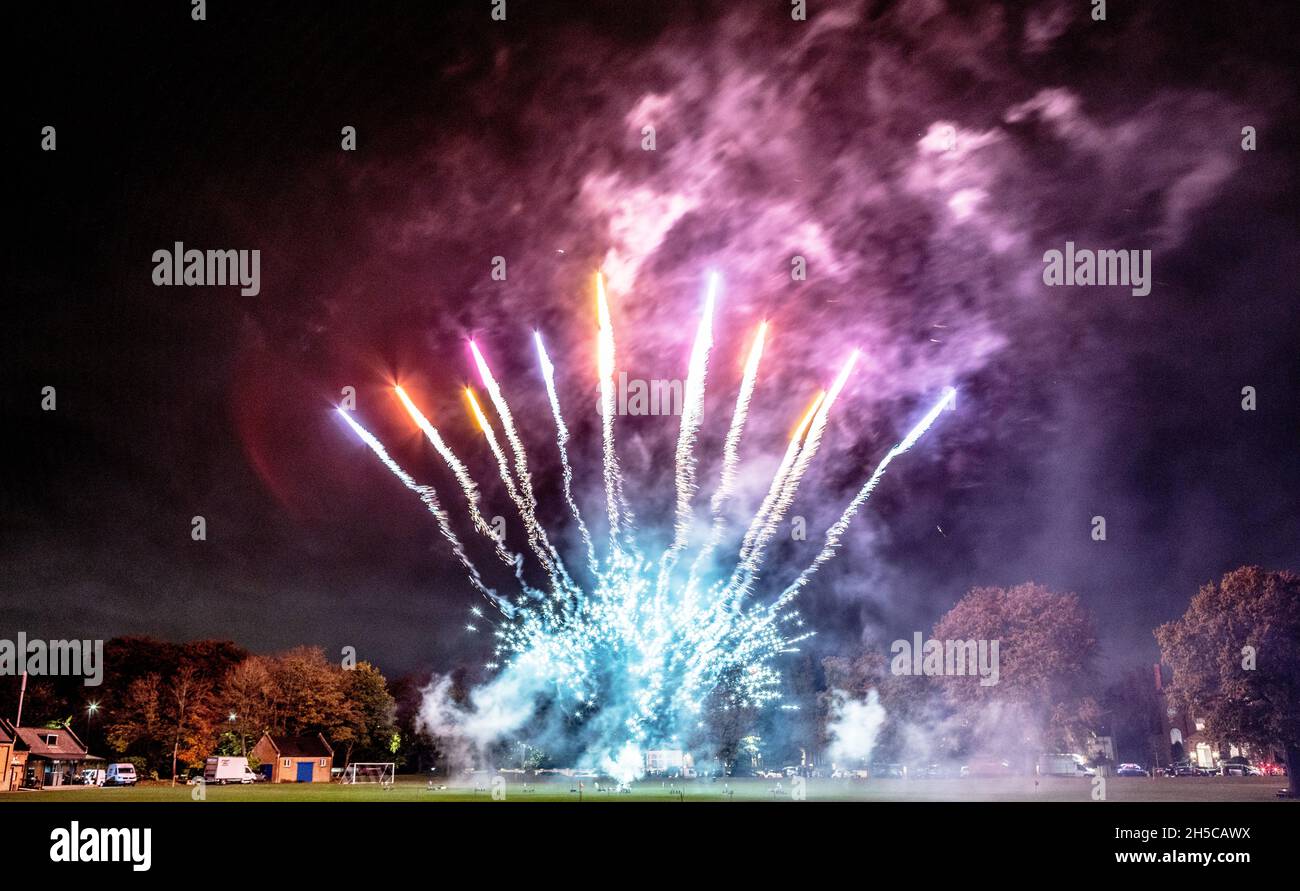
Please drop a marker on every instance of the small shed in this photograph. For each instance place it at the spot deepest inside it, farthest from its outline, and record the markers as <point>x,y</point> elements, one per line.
<point>295,759</point>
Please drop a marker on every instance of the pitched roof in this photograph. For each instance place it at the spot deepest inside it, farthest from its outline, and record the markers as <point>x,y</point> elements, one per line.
<point>301,746</point>
<point>33,739</point>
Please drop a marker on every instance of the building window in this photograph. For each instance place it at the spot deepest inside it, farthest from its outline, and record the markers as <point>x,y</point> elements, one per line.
<point>322,762</point>
<point>51,739</point>
<point>284,763</point>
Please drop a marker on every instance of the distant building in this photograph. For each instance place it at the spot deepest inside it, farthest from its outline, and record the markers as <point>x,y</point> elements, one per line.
<point>669,761</point>
<point>1185,735</point>
<point>295,759</point>
<point>38,757</point>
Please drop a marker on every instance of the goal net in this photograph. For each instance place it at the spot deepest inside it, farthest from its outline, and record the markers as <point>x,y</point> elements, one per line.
<point>380,772</point>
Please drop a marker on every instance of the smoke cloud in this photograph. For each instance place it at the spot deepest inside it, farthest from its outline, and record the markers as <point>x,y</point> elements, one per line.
<point>853,727</point>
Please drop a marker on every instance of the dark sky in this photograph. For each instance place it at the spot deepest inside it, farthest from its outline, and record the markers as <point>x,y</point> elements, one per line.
<point>826,138</point>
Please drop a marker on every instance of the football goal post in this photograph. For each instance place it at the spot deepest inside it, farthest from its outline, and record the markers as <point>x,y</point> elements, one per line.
<point>380,772</point>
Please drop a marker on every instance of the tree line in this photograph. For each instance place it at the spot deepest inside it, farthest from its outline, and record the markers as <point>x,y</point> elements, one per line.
<point>1230,663</point>
<point>167,707</point>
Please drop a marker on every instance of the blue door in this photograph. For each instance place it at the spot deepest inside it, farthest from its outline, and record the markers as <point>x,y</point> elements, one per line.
<point>304,771</point>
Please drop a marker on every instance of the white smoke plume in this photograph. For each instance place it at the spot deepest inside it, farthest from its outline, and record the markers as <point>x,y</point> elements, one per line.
<point>853,727</point>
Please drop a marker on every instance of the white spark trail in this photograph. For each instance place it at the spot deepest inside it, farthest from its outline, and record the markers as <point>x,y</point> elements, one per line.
<point>731,452</point>
<point>836,531</point>
<point>430,498</point>
<point>562,439</point>
<point>503,470</point>
<point>605,361</point>
<point>778,479</point>
<point>522,476</point>
<point>458,469</point>
<point>807,451</point>
<point>692,415</point>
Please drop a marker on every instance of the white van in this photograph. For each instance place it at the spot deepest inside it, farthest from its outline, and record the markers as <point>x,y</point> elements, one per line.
<point>91,776</point>
<point>222,770</point>
<point>120,775</point>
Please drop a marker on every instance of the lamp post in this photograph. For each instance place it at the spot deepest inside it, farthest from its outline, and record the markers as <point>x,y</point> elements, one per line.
<point>243,749</point>
<point>22,692</point>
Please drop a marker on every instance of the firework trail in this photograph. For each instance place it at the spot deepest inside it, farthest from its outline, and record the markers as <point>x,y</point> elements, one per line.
<point>769,522</point>
<point>562,440</point>
<point>692,415</point>
<point>731,453</point>
<point>778,478</point>
<point>527,500</point>
<point>615,504</point>
<point>540,547</point>
<point>635,655</point>
<point>430,499</point>
<point>461,473</point>
<point>836,531</point>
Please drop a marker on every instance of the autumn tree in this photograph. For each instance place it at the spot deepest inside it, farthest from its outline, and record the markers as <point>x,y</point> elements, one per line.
<point>191,721</point>
<point>137,725</point>
<point>371,733</point>
<point>1046,647</point>
<point>1235,656</point>
<point>247,694</point>
<point>307,696</point>
<point>300,692</point>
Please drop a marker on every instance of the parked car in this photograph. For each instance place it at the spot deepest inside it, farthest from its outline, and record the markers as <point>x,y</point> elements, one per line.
<point>1182,769</point>
<point>1130,770</point>
<point>845,773</point>
<point>120,775</point>
<point>1239,768</point>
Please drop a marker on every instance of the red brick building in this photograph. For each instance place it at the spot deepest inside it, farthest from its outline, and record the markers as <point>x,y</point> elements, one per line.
<point>41,756</point>
<point>295,759</point>
<point>6,760</point>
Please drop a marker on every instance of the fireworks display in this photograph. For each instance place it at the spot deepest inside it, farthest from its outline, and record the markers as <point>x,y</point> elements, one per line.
<point>640,649</point>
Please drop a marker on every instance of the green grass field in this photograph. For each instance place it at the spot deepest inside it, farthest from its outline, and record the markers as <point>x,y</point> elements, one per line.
<point>407,788</point>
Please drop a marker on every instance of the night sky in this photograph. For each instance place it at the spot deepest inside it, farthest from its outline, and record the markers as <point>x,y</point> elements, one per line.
<point>825,138</point>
